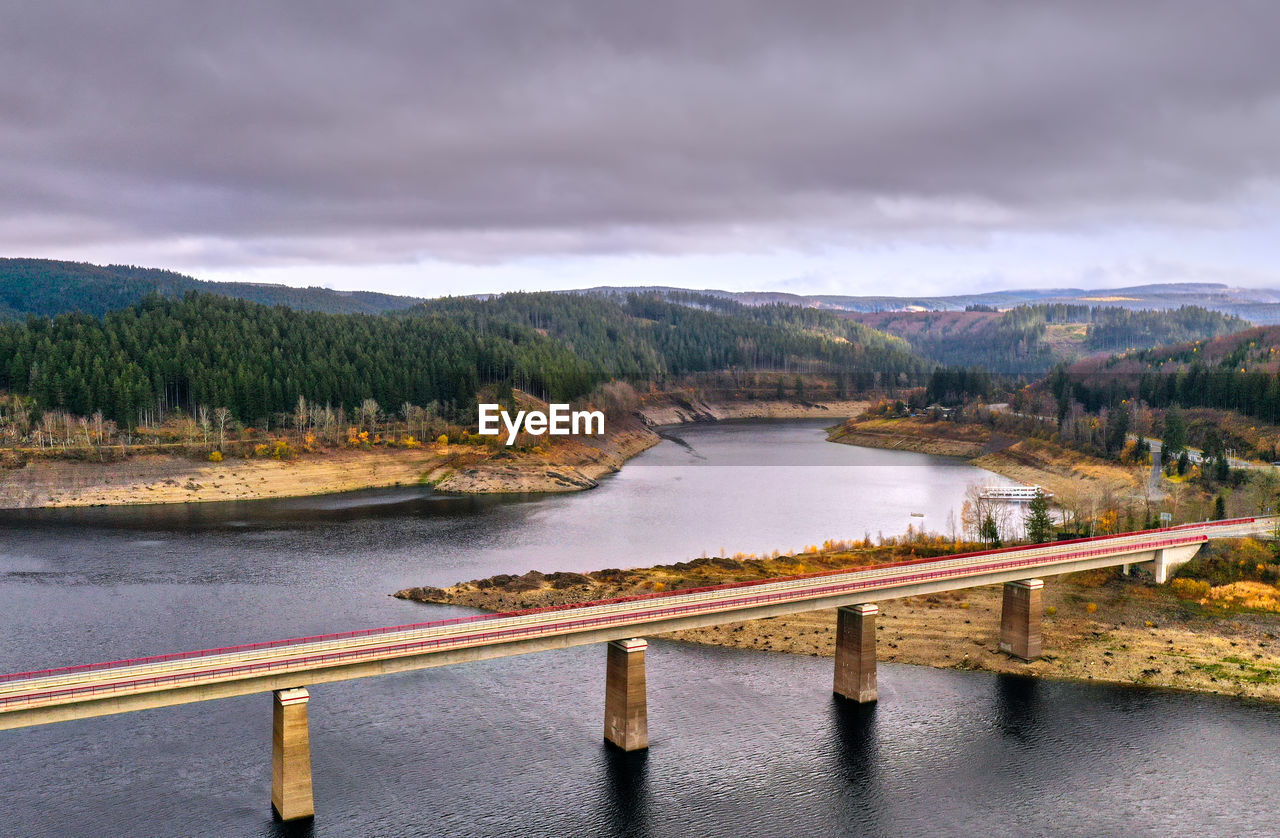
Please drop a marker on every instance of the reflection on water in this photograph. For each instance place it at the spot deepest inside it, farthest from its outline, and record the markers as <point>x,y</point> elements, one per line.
<point>743,743</point>
<point>626,798</point>
<point>856,763</point>
<point>1016,705</point>
<point>292,829</point>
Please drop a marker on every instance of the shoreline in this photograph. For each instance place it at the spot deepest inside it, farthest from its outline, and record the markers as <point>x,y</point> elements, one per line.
<point>674,409</point>
<point>566,465</point>
<point>1135,634</point>
<point>1034,462</point>
<point>570,465</point>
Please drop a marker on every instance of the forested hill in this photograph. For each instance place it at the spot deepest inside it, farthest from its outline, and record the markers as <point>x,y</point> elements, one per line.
<point>1031,339</point>
<point>48,287</point>
<point>642,335</point>
<point>208,351</point>
<point>1239,372</point>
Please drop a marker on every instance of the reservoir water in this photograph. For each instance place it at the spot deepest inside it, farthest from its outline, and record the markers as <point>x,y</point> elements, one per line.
<point>744,743</point>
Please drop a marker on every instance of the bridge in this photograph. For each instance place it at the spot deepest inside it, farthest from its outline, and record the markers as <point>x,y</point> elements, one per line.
<point>286,668</point>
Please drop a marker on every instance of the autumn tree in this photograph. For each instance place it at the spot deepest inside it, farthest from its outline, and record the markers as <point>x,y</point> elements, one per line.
<point>1263,489</point>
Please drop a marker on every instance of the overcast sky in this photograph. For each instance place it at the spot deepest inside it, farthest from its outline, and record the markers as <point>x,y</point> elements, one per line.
<point>838,147</point>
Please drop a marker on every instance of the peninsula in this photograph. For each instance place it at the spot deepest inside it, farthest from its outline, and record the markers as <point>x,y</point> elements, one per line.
<point>1098,625</point>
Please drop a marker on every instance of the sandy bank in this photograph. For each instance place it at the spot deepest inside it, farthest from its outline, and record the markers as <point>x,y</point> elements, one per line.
<point>564,465</point>
<point>568,465</point>
<point>172,479</point>
<point>1034,462</point>
<point>1137,633</point>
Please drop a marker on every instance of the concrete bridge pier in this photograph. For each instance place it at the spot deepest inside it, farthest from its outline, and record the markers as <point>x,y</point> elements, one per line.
<point>1169,559</point>
<point>291,755</point>
<point>856,653</point>
<point>626,704</point>
<point>1020,619</point>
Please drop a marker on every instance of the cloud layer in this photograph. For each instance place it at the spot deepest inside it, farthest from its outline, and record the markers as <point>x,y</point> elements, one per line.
<point>260,132</point>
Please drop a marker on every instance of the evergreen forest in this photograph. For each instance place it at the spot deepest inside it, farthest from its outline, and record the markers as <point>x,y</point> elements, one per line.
<point>207,351</point>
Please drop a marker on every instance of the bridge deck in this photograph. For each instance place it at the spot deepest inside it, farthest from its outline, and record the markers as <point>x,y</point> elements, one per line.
<point>214,673</point>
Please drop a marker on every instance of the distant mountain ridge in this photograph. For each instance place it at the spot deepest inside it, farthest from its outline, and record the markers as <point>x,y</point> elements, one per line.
<point>48,287</point>
<point>1258,305</point>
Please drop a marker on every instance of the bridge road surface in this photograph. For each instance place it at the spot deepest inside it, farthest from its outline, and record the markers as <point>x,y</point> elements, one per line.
<point>53,695</point>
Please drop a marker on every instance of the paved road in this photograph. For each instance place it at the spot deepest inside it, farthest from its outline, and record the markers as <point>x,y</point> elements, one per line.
<point>119,686</point>
<point>1195,455</point>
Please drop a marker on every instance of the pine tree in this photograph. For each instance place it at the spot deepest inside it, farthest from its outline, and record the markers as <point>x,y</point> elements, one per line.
<point>1175,430</point>
<point>1038,522</point>
<point>989,531</point>
<point>1117,430</point>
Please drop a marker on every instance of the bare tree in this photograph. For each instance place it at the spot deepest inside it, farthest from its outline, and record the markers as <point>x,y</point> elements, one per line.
<point>202,418</point>
<point>1177,492</point>
<point>222,416</point>
<point>342,422</point>
<point>331,422</point>
<point>981,512</point>
<point>369,415</point>
<point>48,424</point>
<point>616,398</point>
<point>300,415</point>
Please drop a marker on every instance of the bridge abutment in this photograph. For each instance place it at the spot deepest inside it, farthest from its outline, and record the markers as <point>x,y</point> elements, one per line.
<point>291,755</point>
<point>626,704</point>
<point>1020,619</point>
<point>1169,559</point>
<point>855,677</point>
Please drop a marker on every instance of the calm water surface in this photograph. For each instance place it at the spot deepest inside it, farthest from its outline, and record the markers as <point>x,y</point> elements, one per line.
<point>744,743</point>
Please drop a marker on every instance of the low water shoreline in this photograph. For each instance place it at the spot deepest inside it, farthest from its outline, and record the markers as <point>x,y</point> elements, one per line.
<point>564,465</point>
<point>1032,462</point>
<point>571,465</point>
<point>1098,626</point>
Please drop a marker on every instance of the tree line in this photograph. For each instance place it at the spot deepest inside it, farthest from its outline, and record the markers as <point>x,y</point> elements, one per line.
<point>206,351</point>
<point>166,354</point>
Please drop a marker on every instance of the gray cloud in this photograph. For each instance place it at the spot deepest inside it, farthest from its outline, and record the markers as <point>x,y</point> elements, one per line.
<point>375,130</point>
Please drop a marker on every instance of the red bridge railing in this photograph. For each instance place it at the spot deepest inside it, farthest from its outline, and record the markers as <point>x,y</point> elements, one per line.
<point>339,657</point>
<point>373,632</point>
